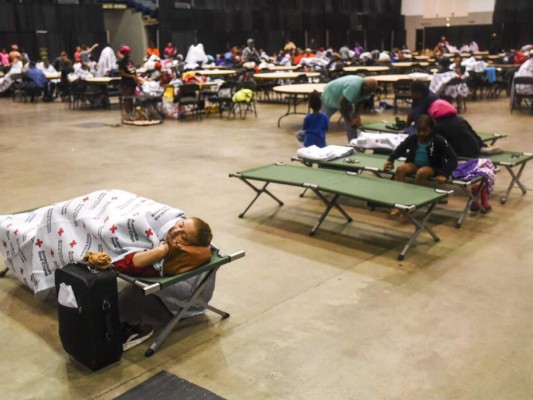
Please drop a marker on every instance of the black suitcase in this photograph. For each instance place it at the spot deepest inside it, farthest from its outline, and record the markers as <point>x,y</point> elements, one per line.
<point>90,333</point>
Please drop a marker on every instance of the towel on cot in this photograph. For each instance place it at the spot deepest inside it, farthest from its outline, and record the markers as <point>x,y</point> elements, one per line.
<point>327,153</point>
<point>36,243</point>
<point>369,140</point>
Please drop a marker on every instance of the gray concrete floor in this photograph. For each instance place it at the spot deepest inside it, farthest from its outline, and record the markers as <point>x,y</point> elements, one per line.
<point>332,316</point>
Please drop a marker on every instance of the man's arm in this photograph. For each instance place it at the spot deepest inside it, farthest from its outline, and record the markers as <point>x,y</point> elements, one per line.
<point>149,257</point>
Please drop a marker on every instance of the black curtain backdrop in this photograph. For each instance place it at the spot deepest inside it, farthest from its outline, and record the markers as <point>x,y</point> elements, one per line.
<point>221,24</point>
<point>35,25</point>
<point>513,20</point>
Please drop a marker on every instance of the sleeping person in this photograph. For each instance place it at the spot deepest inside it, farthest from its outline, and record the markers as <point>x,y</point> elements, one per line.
<point>140,235</point>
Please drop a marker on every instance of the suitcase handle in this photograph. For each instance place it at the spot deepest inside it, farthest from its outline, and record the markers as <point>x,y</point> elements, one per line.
<point>106,306</point>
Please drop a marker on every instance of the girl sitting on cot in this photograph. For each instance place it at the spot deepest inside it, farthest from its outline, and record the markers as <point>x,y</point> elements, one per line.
<point>427,155</point>
<point>316,124</point>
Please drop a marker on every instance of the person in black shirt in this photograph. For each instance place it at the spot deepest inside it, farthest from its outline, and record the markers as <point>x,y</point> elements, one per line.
<point>129,80</point>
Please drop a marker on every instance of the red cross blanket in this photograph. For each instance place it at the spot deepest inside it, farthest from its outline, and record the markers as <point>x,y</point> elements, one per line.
<point>34,244</point>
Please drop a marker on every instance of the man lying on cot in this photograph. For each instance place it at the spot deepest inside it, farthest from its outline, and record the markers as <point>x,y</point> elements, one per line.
<point>140,235</point>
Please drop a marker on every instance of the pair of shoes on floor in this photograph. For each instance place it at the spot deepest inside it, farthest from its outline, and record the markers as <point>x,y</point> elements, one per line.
<point>132,335</point>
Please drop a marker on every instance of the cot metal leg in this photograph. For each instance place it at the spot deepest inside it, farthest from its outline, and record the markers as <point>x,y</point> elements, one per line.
<point>471,199</point>
<point>194,300</point>
<point>258,193</point>
<point>329,205</point>
<point>422,224</point>
<point>515,179</point>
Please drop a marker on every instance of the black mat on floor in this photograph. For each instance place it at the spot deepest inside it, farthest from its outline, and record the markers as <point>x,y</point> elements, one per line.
<point>165,386</point>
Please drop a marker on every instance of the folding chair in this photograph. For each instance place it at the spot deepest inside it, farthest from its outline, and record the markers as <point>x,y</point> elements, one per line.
<point>188,99</point>
<point>402,92</point>
<point>526,92</point>
<point>150,285</point>
<point>245,106</point>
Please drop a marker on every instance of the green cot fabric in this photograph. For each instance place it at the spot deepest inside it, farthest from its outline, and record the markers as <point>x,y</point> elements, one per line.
<point>367,188</point>
<point>164,281</point>
<point>358,161</point>
<point>509,158</point>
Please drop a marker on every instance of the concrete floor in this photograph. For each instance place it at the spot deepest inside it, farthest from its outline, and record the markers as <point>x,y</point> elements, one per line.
<point>332,316</point>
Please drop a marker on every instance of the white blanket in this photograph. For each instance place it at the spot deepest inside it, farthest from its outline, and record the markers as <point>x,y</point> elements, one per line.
<point>370,140</point>
<point>36,243</point>
<point>327,153</point>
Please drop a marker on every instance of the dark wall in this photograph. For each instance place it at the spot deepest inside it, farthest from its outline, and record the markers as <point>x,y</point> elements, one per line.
<point>513,20</point>
<point>38,24</point>
<point>220,24</point>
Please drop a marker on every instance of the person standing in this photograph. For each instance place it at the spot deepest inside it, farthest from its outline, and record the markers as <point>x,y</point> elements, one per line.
<point>348,95</point>
<point>129,80</point>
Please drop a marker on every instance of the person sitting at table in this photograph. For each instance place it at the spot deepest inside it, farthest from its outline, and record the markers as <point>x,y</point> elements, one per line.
<point>48,69</point>
<point>427,155</point>
<point>348,95</point>
<point>14,53</point>
<point>526,70</point>
<point>250,54</point>
<point>107,63</point>
<point>195,56</point>
<point>83,72</point>
<point>85,53</point>
<point>439,81</point>
<point>284,58</point>
<point>7,80</point>
<point>152,50</point>
<point>316,124</point>
<point>170,51</point>
<point>357,50</point>
<point>36,82</point>
<point>458,67</point>
<point>4,59</point>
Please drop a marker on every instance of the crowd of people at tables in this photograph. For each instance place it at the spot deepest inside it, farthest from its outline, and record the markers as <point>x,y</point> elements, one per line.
<point>160,68</point>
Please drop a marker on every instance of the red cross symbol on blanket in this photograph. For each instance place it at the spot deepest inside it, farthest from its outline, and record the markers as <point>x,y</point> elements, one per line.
<point>60,231</point>
<point>148,232</point>
<point>113,229</point>
<point>16,232</point>
<point>22,271</point>
<point>85,198</point>
<point>39,243</point>
<point>73,243</point>
<point>52,253</point>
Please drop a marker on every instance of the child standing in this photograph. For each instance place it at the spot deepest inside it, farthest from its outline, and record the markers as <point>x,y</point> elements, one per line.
<point>427,154</point>
<point>316,124</point>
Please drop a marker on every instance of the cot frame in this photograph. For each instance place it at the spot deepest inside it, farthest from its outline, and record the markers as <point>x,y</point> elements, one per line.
<point>381,127</point>
<point>515,160</point>
<point>352,163</point>
<point>150,285</point>
<point>420,223</point>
